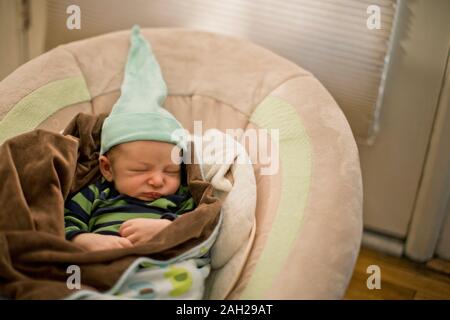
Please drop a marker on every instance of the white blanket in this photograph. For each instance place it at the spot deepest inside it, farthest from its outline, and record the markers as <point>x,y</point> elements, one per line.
<point>236,235</point>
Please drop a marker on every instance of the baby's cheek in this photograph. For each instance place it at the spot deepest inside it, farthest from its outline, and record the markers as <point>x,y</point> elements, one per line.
<point>131,185</point>
<point>174,184</point>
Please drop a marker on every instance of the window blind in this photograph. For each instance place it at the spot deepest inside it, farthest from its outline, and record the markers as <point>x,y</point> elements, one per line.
<point>330,38</point>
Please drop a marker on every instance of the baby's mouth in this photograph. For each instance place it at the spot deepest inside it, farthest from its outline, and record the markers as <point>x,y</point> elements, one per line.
<point>152,195</point>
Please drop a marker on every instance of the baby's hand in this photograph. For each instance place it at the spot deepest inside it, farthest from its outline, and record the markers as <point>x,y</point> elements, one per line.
<point>141,230</point>
<point>97,242</point>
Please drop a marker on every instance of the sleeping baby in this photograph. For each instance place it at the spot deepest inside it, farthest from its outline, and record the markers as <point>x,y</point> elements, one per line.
<point>143,184</point>
<point>139,193</point>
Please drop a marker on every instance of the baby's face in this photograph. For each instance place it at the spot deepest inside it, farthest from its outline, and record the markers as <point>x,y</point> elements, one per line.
<point>142,169</point>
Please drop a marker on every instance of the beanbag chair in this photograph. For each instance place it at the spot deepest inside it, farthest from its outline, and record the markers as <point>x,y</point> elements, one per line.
<point>302,238</point>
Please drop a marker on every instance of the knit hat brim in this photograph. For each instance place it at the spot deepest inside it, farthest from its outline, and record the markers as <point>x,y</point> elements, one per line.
<point>146,126</point>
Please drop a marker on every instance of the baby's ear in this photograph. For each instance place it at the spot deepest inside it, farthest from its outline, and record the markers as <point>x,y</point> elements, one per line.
<point>105,167</point>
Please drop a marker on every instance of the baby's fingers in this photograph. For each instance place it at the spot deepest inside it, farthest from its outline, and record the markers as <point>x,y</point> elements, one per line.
<point>125,243</point>
<point>133,238</point>
<point>126,231</point>
<point>123,226</point>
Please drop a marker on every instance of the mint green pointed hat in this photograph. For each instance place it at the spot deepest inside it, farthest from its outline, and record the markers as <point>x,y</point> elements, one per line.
<point>138,114</point>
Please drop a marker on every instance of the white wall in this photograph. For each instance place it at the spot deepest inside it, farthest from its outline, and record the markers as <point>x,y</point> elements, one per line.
<point>392,168</point>
<point>11,50</point>
<point>21,42</point>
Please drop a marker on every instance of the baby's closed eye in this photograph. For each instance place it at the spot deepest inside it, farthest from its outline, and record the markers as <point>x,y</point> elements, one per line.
<point>172,170</point>
<point>138,170</point>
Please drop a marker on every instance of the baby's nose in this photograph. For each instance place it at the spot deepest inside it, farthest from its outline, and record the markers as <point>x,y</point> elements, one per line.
<point>156,180</point>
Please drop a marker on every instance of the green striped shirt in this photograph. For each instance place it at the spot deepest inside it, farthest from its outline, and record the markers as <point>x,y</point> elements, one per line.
<point>100,208</point>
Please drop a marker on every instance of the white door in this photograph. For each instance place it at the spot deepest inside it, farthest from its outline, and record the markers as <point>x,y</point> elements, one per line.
<point>393,166</point>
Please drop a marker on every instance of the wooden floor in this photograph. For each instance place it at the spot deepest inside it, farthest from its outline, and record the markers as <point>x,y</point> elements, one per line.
<point>400,278</point>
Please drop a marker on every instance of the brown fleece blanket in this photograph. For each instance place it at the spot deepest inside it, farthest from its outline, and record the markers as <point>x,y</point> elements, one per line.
<point>38,170</point>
